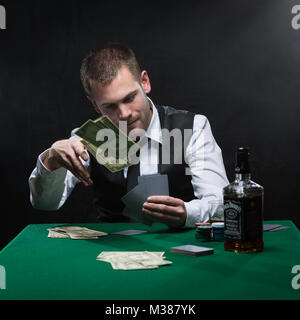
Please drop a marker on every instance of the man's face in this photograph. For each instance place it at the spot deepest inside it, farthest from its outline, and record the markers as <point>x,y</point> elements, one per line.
<point>124,99</point>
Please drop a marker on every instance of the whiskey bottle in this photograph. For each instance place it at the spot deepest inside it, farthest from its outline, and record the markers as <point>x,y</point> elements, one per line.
<point>243,209</point>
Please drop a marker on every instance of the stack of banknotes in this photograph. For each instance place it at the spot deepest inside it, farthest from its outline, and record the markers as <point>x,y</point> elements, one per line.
<point>133,260</point>
<point>109,145</point>
<point>75,233</point>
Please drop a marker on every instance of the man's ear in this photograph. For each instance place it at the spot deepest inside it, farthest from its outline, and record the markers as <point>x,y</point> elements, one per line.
<point>93,102</point>
<point>145,82</point>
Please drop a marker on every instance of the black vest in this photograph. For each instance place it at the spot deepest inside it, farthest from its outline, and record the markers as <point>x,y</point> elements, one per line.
<point>109,187</point>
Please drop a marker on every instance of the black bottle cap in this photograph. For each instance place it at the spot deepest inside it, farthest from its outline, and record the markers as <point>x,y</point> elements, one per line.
<point>242,165</point>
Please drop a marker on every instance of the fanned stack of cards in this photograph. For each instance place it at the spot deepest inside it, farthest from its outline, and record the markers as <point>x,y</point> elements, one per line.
<point>192,250</point>
<point>148,185</point>
<point>75,232</point>
<point>122,148</point>
<point>133,260</point>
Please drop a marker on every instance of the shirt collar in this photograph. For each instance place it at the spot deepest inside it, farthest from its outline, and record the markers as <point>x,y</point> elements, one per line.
<point>154,130</point>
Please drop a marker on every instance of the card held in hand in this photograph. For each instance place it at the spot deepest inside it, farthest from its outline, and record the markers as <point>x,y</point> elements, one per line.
<point>148,185</point>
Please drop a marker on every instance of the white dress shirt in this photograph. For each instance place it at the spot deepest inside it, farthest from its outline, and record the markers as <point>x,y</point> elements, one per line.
<point>50,189</point>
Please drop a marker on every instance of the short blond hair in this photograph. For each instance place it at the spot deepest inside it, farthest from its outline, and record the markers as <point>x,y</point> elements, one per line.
<point>101,65</point>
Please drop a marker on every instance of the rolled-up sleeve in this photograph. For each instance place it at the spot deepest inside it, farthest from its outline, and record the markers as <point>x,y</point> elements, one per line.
<point>49,190</point>
<point>205,161</point>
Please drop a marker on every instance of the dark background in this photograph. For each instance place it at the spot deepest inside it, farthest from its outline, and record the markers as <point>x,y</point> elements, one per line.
<point>237,62</point>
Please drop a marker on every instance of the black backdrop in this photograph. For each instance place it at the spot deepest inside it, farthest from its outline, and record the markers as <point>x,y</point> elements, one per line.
<point>237,62</point>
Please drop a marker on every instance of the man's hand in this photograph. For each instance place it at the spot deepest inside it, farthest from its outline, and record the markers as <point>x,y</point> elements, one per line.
<point>168,210</point>
<point>66,153</point>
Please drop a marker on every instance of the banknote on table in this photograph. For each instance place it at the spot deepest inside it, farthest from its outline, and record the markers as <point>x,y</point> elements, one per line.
<point>75,233</point>
<point>122,148</point>
<point>133,260</point>
<point>57,234</point>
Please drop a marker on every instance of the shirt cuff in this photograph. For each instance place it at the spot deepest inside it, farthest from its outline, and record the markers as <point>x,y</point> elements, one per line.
<point>43,171</point>
<point>195,214</point>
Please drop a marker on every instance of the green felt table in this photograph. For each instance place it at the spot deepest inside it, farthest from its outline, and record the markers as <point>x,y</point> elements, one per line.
<point>38,267</point>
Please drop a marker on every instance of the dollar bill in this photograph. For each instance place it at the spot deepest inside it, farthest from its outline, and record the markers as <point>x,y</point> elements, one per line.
<point>57,234</point>
<point>75,233</point>
<point>127,263</point>
<point>133,260</point>
<point>114,152</point>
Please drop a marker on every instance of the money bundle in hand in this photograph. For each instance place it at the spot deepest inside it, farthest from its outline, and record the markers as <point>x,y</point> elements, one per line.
<point>75,232</point>
<point>114,152</point>
<point>133,260</point>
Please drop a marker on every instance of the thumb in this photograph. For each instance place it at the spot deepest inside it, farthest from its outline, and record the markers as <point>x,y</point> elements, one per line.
<point>84,156</point>
<point>80,150</point>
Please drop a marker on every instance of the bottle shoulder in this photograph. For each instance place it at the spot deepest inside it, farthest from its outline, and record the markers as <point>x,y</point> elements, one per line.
<point>243,188</point>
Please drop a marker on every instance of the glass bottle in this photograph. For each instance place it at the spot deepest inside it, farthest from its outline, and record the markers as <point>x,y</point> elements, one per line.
<point>243,209</point>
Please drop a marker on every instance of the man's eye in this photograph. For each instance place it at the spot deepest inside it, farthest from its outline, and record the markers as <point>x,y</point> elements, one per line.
<point>129,99</point>
<point>110,106</point>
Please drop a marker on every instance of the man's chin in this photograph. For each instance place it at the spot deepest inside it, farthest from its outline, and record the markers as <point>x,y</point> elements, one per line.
<point>134,125</point>
<point>136,133</point>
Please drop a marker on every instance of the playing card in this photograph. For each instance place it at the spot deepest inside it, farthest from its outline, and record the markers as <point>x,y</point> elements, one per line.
<point>134,201</point>
<point>192,250</point>
<point>129,232</point>
<point>154,184</point>
<point>148,185</point>
<point>268,227</point>
<point>279,228</point>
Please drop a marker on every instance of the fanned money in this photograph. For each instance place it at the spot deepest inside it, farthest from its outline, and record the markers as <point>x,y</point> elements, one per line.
<point>75,232</point>
<point>115,151</point>
<point>133,260</point>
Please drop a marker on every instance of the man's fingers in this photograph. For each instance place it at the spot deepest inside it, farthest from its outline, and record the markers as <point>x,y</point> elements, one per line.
<point>79,149</point>
<point>165,209</point>
<point>167,200</point>
<point>161,217</point>
<point>162,208</point>
<point>66,163</point>
<point>79,168</point>
<point>84,156</point>
<point>66,153</point>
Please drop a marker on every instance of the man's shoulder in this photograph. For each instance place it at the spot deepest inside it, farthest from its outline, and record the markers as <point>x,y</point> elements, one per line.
<point>168,110</point>
<point>199,119</point>
<point>177,110</point>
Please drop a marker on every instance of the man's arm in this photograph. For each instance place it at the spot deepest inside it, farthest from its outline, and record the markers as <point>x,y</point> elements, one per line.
<point>204,157</point>
<point>57,172</point>
<point>206,166</point>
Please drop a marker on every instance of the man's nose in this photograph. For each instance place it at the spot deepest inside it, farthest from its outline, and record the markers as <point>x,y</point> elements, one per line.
<point>124,112</point>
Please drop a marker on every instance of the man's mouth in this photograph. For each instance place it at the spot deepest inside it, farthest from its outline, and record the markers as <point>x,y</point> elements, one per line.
<point>131,123</point>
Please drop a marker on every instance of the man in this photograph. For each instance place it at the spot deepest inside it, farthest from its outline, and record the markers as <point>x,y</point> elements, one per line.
<point>116,87</point>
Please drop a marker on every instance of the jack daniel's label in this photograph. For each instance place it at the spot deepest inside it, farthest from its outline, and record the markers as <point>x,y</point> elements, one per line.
<point>232,219</point>
<point>243,218</point>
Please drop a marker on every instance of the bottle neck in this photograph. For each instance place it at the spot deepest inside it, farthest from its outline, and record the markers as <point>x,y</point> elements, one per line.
<point>242,176</point>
